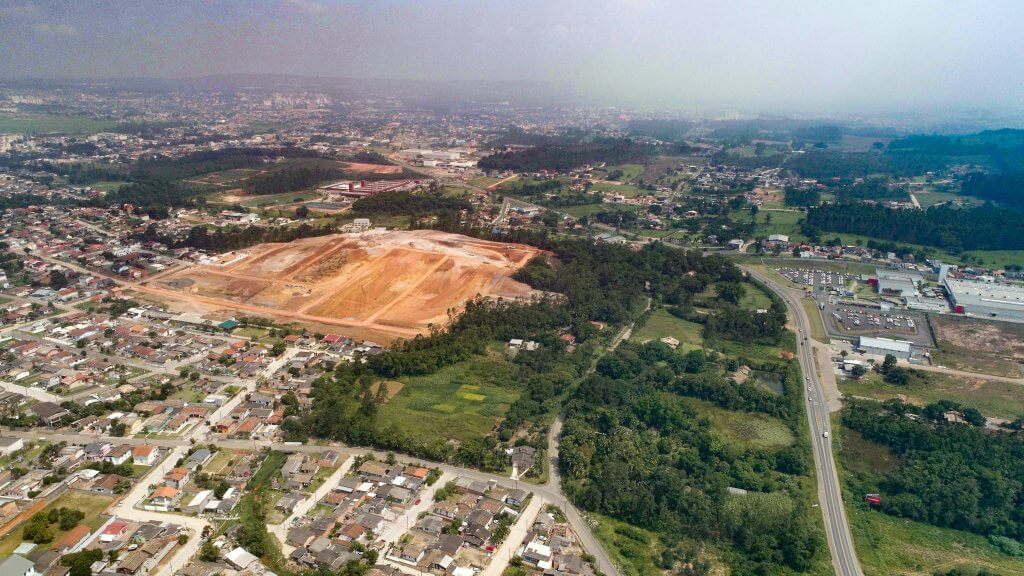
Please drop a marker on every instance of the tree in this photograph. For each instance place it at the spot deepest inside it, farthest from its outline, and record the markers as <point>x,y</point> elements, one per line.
<point>209,552</point>
<point>731,292</point>
<point>302,212</point>
<point>858,371</point>
<point>888,364</point>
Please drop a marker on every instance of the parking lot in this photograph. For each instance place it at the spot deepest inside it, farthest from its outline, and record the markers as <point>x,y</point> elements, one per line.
<point>848,321</point>
<point>822,279</point>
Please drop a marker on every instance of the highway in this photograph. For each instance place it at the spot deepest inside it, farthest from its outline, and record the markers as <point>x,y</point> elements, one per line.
<point>830,497</point>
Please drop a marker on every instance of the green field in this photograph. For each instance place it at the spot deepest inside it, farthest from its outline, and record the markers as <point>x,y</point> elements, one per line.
<point>458,402</point>
<point>755,299</point>
<point>814,318</point>
<point>91,504</point>
<point>107,186</point>
<point>43,123</point>
<point>889,545</point>
<point>994,399</point>
<point>484,181</point>
<point>661,324</point>
<point>748,429</point>
<point>591,209</point>
<point>629,171</point>
<point>632,548</point>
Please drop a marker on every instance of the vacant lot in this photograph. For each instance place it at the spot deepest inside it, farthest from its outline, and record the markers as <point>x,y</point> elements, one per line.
<point>888,545</point>
<point>661,324</point>
<point>91,504</point>
<point>394,283</point>
<point>979,345</point>
<point>635,549</point>
<point>459,402</point>
<point>993,399</point>
<point>746,428</point>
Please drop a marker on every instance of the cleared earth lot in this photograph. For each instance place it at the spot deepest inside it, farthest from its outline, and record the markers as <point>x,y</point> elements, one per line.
<point>396,283</point>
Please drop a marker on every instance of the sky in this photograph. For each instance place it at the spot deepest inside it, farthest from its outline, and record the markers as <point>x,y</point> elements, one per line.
<point>766,55</point>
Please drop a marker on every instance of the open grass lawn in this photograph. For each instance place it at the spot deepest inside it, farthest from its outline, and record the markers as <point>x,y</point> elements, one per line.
<point>814,317</point>
<point>661,324</point>
<point>745,428</point>
<point>91,504</point>
<point>274,199</point>
<point>888,545</point>
<point>755,299</point>
<point>188,393</point>
<point>974,361</point>
<point>627,190</point>
<point>632,548</point>
<point>107,186</point>
<point>252,332</point>
<point>629,171</point>
<point>591,209</point>
<point>993,399</point>
<point>484,181</point>
<point>458,402</point>
<point>45,123</point>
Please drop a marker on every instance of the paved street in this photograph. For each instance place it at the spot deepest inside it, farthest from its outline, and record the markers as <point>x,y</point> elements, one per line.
<point>837,529</point>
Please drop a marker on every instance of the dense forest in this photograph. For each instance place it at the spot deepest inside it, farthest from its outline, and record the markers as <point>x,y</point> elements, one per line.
<point>291,179</point>
<point>408,203</point>
<point>632,449</point>
<point>802,196</point>
<point>568,155</point>
<point>1006,189</point>
<point>952,229</point>
<point>871,189</point>
<point>949,474</point>
<point>666,130</point>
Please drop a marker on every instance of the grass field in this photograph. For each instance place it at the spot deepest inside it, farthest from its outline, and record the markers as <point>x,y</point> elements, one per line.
<point>661,324</point>
<point>484,181</point>
<point>755,299</point>
<point>887,545</point>
<point>978,345</point>
<point>591,209</point>
<point>632,548</point>
<point>107,186</point>
<point>44,123</point>
<point>993,399</point>
<point>745,428</point>
<point>814,317</point>
<point>629,171</point>
<point>91,504</point>
<point>458,402</point>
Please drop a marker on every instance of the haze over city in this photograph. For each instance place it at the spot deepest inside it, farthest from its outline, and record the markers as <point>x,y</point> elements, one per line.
<point>511,288</point>
<point>792,56</point>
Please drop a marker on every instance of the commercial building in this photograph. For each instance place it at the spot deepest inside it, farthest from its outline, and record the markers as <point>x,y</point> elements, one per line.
<point>986,299</point>
<point>898,282</point>
<point>883,346</point>
<point>351,190</point>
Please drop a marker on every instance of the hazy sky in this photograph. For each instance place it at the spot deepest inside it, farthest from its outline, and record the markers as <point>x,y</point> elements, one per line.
<point>821,55</point>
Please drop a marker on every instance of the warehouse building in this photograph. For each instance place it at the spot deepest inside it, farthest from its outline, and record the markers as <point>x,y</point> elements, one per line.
<point>883,346</point>
<point>985,299</point>
<point>898,282</point>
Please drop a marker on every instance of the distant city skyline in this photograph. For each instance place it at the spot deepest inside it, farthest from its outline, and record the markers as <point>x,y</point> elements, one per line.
<point>791,56</point>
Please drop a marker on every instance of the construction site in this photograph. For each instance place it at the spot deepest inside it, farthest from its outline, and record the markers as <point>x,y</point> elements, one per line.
<point>389,284</point>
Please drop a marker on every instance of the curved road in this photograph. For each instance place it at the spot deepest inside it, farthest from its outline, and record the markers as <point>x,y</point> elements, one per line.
<point>837,529</point>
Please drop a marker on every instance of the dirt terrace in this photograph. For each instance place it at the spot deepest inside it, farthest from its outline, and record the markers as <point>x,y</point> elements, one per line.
<point>392,283</point>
